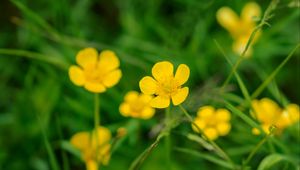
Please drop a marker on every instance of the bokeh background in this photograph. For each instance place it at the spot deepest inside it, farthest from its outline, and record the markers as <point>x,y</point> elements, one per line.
<point>141,33</point>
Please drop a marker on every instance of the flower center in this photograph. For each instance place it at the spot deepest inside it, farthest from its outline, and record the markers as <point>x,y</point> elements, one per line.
<point>167,87</point>
<point>94,74</point>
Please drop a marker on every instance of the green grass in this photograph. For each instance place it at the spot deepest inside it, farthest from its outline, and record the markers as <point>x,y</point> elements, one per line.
<point>39,41</point>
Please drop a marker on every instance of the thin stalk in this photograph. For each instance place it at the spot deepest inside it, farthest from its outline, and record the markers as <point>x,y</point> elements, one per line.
<point>255,149</point>
<point>219,150</point>
<point>97,123</point>
<point>66,164</point>
<point>168,140</point>
<point>52,159</point>
<point>36,56</point>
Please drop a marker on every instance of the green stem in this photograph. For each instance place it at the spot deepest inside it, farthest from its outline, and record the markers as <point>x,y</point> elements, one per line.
<point>97,123</point>
<point>218,150</point>
<point>66,164</point>
<point>255,149</point>
<point>53,161</point>
<point>168,140</point>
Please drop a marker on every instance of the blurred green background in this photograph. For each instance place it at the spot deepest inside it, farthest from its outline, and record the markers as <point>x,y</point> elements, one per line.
<point>141,33</point>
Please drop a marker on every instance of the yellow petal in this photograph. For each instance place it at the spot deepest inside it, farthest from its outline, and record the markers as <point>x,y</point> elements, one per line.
<point>250,11</point>
<point>205,112</point>
<point>182,74</point>
<point>145,98</point>
<point>76,75</point>
<point>293,112</point>
<point>223,128</point>
<point>112,78</point>
<point>147,113</point>
<point>180,96</point>
<point>160,102</point>
<point>125,109</point>
<point>228,19</point>
<point>91,165</point>
<point>223,115</point>
<point>104,136</point>
<point>200,124</point>
<point>131,96</point>
<point>239,46</point>
<point>108,60</point>
<point>81,140</point>
<point>162,70</point>
<point>87,57</point>
<point>211,133</point>
<point>94,87</point>
<point>148,85</point>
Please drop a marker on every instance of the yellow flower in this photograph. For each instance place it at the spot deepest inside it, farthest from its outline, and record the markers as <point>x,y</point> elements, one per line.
<point>212,122</point>
<point>165,86</point>
<point>268,113</point>
<point>241,27</point>
<point>95,73</point>
<point>91,149</point>
<point>137,105</point>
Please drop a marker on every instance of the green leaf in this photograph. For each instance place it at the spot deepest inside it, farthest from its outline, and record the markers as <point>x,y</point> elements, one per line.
<point>271,160</point>
<point>208,157</point>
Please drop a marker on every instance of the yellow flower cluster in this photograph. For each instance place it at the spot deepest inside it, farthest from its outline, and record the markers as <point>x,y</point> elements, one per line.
<point>241,27</point>
<point>95,73</point>
<point>212,122</point>
<point>165,86</point>
<point>268,113</point>
<point>93,147</point>
<point>137,105</point>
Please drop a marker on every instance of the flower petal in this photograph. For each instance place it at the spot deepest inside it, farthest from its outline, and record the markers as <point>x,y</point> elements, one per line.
<point>161,70</point>
<point>160,102</point>
<point>76,75</point>
<point>87,57</point>
<point>147,113</point>
<point>200,124</point>
<point>205,112</point>
<point>104,136</point>
<point>91,165</point>
<point>148,85</point>
<point>228,19</point>
<point>125,109</point>
<point>112,78</point>
<point>250,11</point>
<point>108,60</point>
<point>223,128</point>
<point>131,96</point>
<point>94,87</point>
<point>81,140</point>
<point>180,96</point>
<point>182,74</point>
<point>211,133</point>
<point>223,115</point>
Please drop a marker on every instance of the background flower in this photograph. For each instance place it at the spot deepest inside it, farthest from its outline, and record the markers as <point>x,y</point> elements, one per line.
<point>212,122</point>
<point>268,113</point>
<point>93,147</point>
<point>240,28</point>
<point>95,73</point>
<point>137,106</point>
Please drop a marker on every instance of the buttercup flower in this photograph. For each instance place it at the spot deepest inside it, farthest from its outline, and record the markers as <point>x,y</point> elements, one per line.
<point>91,149</point>
<point>137,105</point>
<point>212,122</point>
<point>165,86</point>
<point>95,73</point>
<point>268,113</point>
<point>241,27</point>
